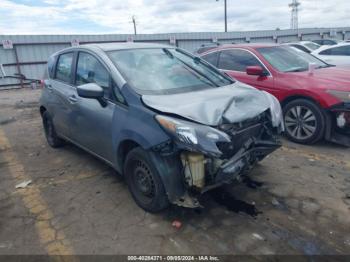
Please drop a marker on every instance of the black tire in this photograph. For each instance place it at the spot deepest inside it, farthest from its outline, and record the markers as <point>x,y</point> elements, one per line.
<point>144,182</point>
<point>304,121</point>
<point>50,133</point>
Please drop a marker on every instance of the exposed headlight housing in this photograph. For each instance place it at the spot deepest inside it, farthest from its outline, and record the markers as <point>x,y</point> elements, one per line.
<point>343,96</point>
<point>193,136</point>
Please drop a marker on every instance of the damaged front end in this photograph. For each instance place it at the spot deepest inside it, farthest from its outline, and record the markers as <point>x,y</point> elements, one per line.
<point>217,135</point>
<point>211,157</point>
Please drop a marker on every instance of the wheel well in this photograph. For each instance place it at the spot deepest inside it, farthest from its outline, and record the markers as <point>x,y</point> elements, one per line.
<point>124,148</point>
<point>291,98</point>
<point>42,110</point>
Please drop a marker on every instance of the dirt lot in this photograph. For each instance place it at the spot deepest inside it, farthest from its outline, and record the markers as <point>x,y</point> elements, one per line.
<point>297,201</point>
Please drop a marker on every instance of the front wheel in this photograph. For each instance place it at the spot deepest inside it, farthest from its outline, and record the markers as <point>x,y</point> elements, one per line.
<point>304,121</point>
<point>144,182</point>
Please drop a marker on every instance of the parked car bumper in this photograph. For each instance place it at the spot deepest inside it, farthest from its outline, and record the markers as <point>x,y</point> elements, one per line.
<point>338,130</point>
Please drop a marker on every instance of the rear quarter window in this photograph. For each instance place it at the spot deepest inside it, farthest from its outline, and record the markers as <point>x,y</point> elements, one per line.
<point>51,66</point>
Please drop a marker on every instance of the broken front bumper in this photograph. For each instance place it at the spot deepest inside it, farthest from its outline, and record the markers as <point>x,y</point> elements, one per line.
<point>251,152</point>
<point>200,179</point>
<point>249,143</point>
<point>338,124</point>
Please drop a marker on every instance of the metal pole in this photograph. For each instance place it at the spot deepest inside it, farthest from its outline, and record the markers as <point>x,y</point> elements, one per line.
<point>225,15</point>
<point>225,2</point>
<point>17,64</point>
<point>134,22</point>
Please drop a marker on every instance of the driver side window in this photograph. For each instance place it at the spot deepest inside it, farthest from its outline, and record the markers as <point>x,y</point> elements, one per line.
<point>90,70</point>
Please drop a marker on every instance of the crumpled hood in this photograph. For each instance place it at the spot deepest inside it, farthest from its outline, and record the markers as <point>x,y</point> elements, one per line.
<point>230,104</point>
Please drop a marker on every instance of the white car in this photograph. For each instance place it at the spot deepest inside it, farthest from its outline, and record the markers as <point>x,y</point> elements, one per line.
<point>306,46</point>
<point>335,54</point>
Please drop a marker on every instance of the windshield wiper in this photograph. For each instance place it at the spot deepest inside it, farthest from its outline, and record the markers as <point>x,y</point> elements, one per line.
<point>325,66</point>
<point>168,53</point>
<point>198,60</point>
<point>203,76</point>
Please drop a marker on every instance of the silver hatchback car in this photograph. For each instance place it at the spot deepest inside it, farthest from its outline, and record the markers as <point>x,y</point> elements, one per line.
<point>171,123</point>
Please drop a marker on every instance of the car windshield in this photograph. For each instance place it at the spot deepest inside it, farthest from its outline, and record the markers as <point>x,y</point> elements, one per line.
<point>166,71</point>
<point>290,59</point>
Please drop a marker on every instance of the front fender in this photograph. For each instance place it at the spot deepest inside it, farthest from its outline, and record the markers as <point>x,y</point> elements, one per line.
<point>323,99</point>
<point>169,167</point>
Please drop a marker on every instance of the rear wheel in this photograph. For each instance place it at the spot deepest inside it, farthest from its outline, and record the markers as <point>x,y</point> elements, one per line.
<point>304,121</point>
<point>50,133</point>
<point>144,182</point>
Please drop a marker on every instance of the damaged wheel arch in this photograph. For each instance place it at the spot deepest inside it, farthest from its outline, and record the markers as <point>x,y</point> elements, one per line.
<point>168,174</point>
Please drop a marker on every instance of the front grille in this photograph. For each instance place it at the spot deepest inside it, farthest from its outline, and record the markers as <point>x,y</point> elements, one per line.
<point>241,132</point>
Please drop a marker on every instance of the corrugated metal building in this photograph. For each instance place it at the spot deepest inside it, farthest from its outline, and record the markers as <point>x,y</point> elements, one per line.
<point>27,54</point>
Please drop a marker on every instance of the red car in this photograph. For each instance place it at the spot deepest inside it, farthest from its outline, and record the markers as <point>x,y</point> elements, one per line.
<point>314,95</point>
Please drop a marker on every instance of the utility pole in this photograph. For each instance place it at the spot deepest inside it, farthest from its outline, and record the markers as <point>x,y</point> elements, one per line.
<point>294,15</point>
<point>134,22</point>
<point>225,4</point>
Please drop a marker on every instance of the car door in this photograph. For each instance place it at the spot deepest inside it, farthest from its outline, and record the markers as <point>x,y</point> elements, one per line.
<point>339,55</point>
<point>235,61</point>
<point>61,89</point>
<point>91,123</point>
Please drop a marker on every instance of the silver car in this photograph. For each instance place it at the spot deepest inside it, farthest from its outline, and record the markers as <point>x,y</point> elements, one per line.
<point>169,122</point>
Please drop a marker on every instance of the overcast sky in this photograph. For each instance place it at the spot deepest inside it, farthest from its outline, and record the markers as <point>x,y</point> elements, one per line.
<point>163,16</point>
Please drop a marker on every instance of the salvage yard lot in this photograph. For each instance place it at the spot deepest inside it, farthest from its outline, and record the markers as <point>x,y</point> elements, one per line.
<point>297,201</point>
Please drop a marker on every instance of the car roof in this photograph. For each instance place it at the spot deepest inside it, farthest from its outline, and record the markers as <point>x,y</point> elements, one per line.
<point>242,45</point>
<point>246,45</point>
<point>324,47</point>
<point>122,46</point>
<point>299,43</point>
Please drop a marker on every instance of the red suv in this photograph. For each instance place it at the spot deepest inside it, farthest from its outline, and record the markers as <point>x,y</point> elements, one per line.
<point>315,96</point>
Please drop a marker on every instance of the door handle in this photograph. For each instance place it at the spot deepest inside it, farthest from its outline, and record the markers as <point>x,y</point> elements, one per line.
<point>72,99</point>
<point>49,87</point>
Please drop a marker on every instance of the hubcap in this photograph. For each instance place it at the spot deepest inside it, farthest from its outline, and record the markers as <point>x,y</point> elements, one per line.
<point>300,122</point>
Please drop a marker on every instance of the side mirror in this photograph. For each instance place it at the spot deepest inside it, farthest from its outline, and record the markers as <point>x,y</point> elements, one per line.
<point>92,91</point>
<point>312,67</point>
<point>255,71</point>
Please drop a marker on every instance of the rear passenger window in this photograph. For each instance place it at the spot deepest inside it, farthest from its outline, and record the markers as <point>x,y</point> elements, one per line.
<point>212,58</point>
<point>64,67</point>
<point>237,60</point>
